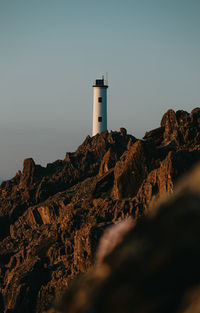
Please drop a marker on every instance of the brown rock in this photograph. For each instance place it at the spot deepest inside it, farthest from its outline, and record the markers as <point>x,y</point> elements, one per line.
<point>195,116</point>
<point>156,267</point>
<point>169,122</point>
<point>28,171</point>
<point>107,162</point>
<point>51,218</point>
<point>130,172</point>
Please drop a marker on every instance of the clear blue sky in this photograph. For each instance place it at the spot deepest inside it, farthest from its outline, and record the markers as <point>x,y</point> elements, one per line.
<point>52,50</point>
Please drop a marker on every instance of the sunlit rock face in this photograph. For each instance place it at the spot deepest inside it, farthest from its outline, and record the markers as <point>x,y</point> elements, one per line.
<point>154,268</point>
<point>51,218</point>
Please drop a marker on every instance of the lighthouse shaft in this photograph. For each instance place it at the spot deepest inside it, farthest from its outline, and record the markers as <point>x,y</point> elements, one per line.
<point>99,107</point>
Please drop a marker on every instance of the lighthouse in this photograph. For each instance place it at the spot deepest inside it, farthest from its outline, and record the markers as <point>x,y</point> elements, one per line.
<point>99,106</point>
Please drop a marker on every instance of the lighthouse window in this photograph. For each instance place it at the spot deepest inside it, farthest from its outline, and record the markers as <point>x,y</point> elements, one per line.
<point>100,99</point>
<point>100,119</point>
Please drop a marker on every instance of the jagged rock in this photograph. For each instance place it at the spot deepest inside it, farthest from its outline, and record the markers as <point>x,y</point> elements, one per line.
<point>123,131</point>
<point>130,171</point>
<point>28,171</point>
<point>183,117</point>
<point>155,135</point>
<point>195,116</point>
<point>162,180</point>
<point>36,183</point>
<point>52,217</point>
<point>154,269</point>
<point>169,122</point>
<point>107,162</point>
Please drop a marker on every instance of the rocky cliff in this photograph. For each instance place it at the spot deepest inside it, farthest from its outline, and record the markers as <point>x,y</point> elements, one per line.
<point>153,268</point>
<point>51,218</point>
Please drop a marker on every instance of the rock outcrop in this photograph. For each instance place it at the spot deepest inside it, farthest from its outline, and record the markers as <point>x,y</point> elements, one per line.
<point>154,269</point>
<point>51,218</point>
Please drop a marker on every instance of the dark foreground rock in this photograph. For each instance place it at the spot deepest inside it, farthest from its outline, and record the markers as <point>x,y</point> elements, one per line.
<point>156,266</point>
<point>51,218</point>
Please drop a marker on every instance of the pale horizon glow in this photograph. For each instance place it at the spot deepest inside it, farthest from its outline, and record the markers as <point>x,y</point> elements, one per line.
<point>52,50</point>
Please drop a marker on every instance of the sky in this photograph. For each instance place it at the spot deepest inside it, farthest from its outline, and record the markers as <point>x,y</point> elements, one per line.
<point>52,50</point>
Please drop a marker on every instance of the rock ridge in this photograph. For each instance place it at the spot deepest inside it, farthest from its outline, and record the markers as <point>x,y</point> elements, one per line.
<point>51,218</point>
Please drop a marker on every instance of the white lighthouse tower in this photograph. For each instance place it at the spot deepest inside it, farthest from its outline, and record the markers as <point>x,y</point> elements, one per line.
<point>99,106</point>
